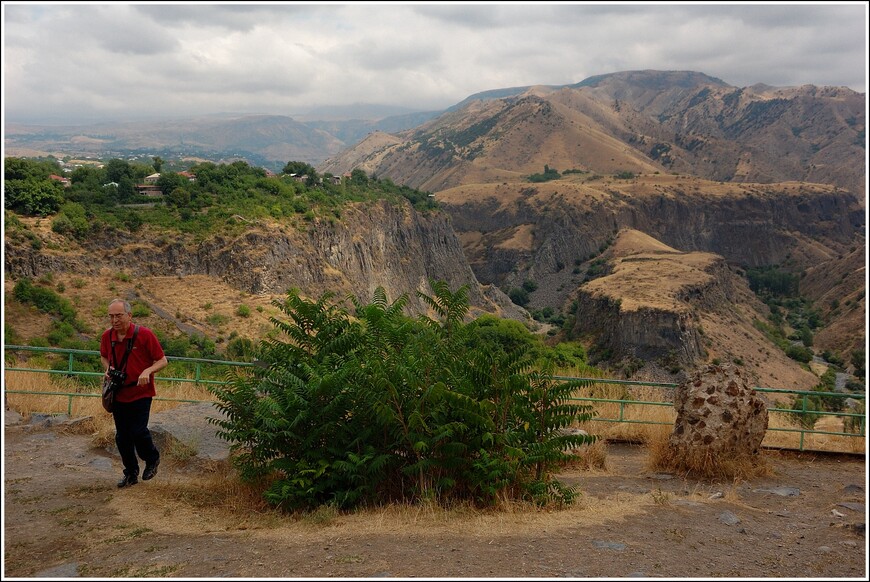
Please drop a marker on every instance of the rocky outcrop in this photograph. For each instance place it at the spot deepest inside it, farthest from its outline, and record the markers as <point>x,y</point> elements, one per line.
<point>372,245</point>
<point>657,312</point>
<point>748,224</point>
<point>647,305</point>
<point>648,334</point>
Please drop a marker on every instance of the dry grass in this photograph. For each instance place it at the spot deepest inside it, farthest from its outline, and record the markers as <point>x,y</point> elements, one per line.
<point>704,464</point>
<point>81,401</point>
<point>645,419</point>
<point>791,438</point>
<point>220,488</point>
<point>591,457</point>
<point>633,421</point>
<point>219,498</point>
<point>220,501</point>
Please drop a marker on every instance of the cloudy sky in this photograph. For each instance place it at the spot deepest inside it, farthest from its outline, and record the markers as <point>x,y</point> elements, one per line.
<point>83,62</point>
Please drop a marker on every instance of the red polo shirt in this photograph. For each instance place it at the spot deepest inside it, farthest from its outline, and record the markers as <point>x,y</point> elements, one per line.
<point>146,351</point>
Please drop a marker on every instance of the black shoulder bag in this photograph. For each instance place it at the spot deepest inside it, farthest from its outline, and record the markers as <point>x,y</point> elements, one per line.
<point>114,381</point>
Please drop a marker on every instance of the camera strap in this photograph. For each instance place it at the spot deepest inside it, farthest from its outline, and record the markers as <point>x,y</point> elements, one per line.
<point>129,349</point>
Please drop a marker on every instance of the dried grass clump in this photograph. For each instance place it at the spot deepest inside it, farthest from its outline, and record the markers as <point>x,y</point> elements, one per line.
<point>218,488</point>
<point>703,463</point>
<point>591,457</point>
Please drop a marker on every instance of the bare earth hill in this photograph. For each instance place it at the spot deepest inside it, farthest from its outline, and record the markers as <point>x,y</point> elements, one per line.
<point>636,121</point>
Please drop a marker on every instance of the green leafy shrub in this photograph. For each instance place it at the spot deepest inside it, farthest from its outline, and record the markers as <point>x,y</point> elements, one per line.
<point>858,360</point>
<point>140,309</point>
<point>799,353</point>
<point>548,174</point>
<point>217,319</point>
<point>71,220</point>
<point>519,296</point>
<point>47,301</point>
<point>240,349</point>
<point>374,406</point>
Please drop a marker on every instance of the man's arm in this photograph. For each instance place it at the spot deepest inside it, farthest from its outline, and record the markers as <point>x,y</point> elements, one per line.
<point>145,376</point>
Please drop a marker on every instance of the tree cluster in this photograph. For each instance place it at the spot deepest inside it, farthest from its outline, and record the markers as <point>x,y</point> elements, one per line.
<point>106,198</point>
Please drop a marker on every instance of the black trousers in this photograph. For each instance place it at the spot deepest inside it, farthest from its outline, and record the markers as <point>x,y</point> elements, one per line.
<point>132,435</point>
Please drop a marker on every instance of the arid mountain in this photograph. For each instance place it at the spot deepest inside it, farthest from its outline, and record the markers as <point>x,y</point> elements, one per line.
<point>641,122</point>
<point>760,176</point>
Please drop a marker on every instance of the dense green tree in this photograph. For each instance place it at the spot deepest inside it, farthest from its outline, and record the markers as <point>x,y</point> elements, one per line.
<point>504,335</point>
<point>126,188</point>
<point>23,169</point>
<point>117,170</point>
<point>519,295</point>
<point>375,406</point>
<point>299,168</point>
<point>302,169</point>
<point>859,361</point>
<point>767,281</point>
<point>170,181</point>
<point>89,177</point>
<point>180,198</point>
<point>358,177</point>
<point>33,196</point>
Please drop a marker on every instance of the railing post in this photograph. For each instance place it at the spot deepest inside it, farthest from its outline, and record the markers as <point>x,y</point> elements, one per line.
<point>803,420</point>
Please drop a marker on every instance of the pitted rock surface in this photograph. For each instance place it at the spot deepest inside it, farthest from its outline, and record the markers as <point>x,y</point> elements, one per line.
<point>718,412</point>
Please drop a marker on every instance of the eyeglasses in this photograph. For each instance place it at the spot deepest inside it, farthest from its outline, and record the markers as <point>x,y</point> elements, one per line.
<point>116,315</point>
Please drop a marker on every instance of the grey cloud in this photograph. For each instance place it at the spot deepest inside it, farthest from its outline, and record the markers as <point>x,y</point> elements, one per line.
<point>124,58</point>
<point>235,17</point>
<point>468,16</point>
<point>390,54</point>
<point>137,40</point>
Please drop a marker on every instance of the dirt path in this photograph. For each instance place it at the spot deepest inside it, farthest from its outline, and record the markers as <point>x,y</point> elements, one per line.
<point>64,517</point>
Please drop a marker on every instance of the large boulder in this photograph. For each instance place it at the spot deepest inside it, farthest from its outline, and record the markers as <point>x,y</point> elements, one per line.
<point>719,416</point>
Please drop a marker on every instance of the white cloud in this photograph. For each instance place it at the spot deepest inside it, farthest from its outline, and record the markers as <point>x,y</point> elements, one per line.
<point>71,61</point>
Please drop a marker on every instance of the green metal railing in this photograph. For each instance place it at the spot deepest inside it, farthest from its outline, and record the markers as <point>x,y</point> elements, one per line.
<point>858,419</point>
<point>198,378</point>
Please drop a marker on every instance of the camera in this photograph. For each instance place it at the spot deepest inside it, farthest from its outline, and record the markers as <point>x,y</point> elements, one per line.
<point>117,377</point>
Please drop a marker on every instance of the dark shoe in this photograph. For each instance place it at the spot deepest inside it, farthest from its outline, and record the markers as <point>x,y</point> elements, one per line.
<point>128,480</point>
<point>150,470</point>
